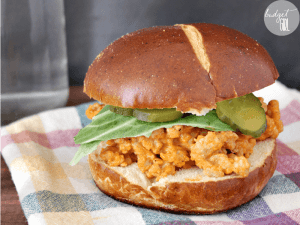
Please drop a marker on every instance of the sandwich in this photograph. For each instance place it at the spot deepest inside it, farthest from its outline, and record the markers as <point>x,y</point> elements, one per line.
<point>177,127</point>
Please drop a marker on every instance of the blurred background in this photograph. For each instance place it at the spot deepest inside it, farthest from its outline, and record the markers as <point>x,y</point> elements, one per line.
<point>76,31</point>
<point>91,25</point>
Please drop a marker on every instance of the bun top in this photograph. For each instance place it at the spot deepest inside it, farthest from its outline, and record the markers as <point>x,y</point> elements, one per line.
<point>190,67</point>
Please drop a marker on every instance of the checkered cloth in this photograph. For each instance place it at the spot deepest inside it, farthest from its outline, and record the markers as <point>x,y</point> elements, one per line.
<point>38,150</point>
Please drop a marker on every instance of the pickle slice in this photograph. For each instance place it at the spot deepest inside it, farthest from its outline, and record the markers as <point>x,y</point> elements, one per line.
<point>157,115</point>
<point>121,111</point>
<point>244,114</point>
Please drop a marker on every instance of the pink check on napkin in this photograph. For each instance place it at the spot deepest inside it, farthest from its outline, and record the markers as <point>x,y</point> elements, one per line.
<point>38,150</point>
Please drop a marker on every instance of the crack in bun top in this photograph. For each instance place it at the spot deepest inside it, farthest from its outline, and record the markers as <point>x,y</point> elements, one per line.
<point>190,67</point>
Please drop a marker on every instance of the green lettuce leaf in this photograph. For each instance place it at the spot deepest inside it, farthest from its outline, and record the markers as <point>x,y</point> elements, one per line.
<point>108,125</point>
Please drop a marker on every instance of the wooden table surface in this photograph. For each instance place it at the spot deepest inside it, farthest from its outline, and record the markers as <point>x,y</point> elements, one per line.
<point>11,211</point>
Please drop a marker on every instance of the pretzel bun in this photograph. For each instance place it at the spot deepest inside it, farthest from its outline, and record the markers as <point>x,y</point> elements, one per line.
<point>189,190</point>
<point>188,67</point>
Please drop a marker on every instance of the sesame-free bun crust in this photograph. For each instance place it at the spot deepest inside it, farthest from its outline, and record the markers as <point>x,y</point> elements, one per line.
<point>190,67</point>
<point>188,191</point>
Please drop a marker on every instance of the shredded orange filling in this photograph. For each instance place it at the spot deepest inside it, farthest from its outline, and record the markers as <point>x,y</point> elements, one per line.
<point>274,124</point>
<point>170,149</point>
<point>93,110</point>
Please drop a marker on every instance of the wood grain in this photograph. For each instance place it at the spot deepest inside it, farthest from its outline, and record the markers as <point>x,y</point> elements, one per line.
<point>11,211</point>
<point>76,96</point>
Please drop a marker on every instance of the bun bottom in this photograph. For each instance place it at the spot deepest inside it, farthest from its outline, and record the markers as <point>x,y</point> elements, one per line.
<point>189,191</point>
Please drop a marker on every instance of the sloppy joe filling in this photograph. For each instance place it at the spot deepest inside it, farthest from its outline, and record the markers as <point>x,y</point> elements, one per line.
<point>179,147</point>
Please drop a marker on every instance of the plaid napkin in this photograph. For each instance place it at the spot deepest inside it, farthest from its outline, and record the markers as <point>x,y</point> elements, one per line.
<point>38,150</point>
